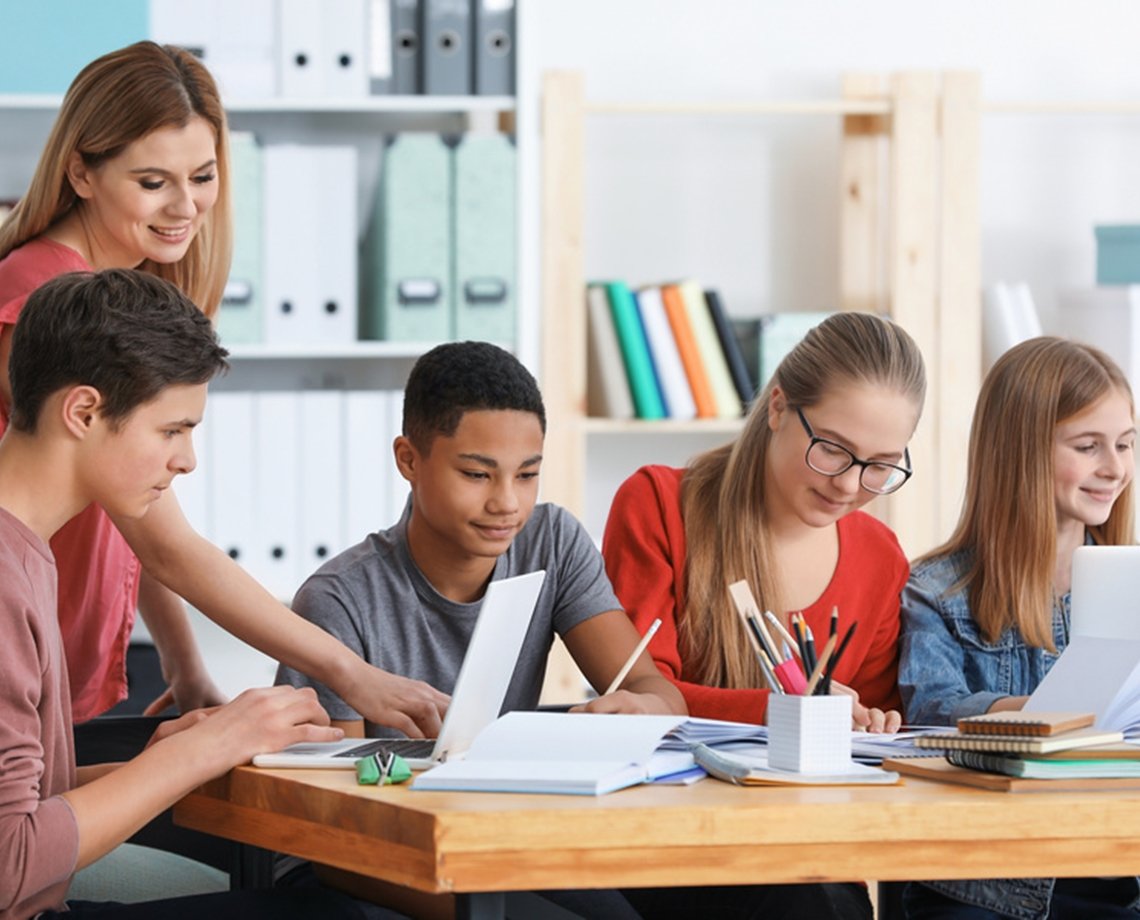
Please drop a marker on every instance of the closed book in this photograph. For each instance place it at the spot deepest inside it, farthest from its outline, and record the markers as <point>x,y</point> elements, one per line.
<point>941,770</point>
<point>607,388</point>
<point>666,356</point>
<point>1024,723</point>
<point>728,403</point>
<point>687,348</point>
<point>1010,765</point>
<point>1017,744</point>
<point>748,766</point>
<point>639,369</point>
<point>737,366</point>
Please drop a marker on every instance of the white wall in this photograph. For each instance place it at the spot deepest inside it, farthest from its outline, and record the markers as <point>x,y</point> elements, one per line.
<point>749,204</point>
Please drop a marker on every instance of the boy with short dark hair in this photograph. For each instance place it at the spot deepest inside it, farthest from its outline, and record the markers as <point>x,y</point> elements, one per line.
<point>406,599</point>
<point>108,375</point>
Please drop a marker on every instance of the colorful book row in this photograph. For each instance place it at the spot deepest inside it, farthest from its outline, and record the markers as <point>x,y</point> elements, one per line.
<point>663,351</point>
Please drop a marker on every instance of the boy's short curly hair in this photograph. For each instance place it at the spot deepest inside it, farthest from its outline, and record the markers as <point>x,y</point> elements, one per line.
<point>461,377</point>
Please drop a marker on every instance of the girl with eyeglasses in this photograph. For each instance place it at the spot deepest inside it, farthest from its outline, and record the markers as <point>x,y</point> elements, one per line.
<point>985,615</point>
<point>779,506</point>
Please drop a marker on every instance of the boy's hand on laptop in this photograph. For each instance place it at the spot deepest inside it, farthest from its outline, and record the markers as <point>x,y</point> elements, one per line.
<point>411,706</point>
<point>263,719</point>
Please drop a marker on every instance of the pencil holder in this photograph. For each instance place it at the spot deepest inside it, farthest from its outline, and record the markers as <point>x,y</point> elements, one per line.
<point>809,734</point>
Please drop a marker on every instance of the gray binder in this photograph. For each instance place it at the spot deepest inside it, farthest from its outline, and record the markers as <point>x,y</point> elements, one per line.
<point>407,49</point>
<point>408,254</point>
<point>494,47</point>
<point>485,238</point>
<point>446,33</point>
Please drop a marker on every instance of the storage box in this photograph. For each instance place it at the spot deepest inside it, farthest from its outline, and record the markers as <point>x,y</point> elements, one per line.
<point>809,734</point>
<point>1118,254</point>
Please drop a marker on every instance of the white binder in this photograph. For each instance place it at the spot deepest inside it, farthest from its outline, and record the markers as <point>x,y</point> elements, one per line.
<point>194,490</point>
<point>230,458</point>
<point>310,250</point>
<point>236,41</point>
<point>277,492</point>
<point>398,488</point>
<point>321,478</point>
<point>322,48</point>
<point>367,455</point>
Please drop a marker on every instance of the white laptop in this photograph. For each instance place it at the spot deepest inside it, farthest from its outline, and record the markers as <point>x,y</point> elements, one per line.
<point>1106,592</point>
<point>1099,671</point>
<point>476,699</point>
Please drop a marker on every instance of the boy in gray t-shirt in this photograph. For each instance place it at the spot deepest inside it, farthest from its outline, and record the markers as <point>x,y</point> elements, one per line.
<point>406,598</point>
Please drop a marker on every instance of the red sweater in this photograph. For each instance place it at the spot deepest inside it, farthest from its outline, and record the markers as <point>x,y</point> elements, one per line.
<point>644,550</point>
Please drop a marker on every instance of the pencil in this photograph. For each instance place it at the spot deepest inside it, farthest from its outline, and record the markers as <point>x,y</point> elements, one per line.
<point>633,656</point>
<point>766,665</point>
<point>835,658</point>
<point>817,673</point>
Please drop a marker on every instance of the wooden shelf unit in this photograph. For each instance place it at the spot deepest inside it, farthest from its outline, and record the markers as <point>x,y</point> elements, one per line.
<point>909,247</point>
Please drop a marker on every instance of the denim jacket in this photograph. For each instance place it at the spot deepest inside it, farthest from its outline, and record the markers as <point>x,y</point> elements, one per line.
<point>947,670</point>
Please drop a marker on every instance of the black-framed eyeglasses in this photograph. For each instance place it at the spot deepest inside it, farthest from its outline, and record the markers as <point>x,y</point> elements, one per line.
<point>831,459</point>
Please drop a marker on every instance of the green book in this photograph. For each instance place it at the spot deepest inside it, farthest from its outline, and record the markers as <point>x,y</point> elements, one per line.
<point>643,385</point>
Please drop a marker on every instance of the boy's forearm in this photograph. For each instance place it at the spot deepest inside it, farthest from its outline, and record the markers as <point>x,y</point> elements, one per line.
<point>657,685</point>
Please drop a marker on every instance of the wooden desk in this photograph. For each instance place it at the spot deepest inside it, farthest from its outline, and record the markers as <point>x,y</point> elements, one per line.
<point>709,833</point>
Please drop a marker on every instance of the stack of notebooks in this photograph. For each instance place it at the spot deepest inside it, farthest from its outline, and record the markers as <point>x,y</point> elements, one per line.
<point>663,351</point>
<point>1022,751</point>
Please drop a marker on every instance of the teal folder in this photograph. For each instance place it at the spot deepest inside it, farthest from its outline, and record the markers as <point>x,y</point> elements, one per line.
<point>643,383</point>
<point>240,318</point>
<point>49,41</point>
<point>408,290</point>
<point>485,301</point>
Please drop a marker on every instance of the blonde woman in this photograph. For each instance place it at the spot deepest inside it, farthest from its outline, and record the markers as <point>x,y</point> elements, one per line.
<point>986,614</point>
<point>779,506</point>
<point>135,174</point>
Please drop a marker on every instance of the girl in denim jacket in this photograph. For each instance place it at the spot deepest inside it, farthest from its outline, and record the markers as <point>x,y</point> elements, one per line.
<point>986,614</point>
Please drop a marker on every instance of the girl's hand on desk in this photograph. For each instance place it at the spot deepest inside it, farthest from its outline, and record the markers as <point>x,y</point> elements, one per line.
<point>868,719</point>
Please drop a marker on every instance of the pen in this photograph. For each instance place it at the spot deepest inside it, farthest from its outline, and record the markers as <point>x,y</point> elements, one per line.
<point>762,635</point>
<point>774,621</point>
<point>633,656</point>
<point>814,681</point>
<point>834,628</point>
<point>809,646</point>
<point>835,658</point>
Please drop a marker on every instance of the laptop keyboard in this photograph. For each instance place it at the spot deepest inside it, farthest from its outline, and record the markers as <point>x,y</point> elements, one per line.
<point>406,747</point>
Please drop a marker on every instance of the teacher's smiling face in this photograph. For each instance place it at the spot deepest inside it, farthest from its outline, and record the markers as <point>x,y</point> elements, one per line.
<point>150,200</point>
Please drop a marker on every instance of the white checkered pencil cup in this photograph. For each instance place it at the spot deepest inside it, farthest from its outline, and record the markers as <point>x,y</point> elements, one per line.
<point>809,734</point>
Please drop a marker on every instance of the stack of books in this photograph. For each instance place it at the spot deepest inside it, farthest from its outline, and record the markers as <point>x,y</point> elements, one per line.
<point>1020,750</point>
<point>663,351</point>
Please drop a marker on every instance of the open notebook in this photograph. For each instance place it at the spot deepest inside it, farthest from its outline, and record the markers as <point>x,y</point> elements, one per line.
<point>476,698</point>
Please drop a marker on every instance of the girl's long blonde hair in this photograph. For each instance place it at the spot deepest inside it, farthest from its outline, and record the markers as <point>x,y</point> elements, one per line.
<point>722,492</point>
<point>1009,519</point>
<point>116,100</point>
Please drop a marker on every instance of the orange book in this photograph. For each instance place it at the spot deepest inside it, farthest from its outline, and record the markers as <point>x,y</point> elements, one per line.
<point>690,354</point>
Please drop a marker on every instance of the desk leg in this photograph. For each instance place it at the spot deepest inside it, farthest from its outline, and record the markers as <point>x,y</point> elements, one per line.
<point>482,905</point>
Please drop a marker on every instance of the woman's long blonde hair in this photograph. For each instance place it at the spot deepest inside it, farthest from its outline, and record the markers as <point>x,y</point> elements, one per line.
<point>1009,519</point>
<point>116,100</point>
<point>722,492</point>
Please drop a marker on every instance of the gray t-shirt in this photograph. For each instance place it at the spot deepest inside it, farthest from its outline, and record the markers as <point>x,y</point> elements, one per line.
<point>376,601</point>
